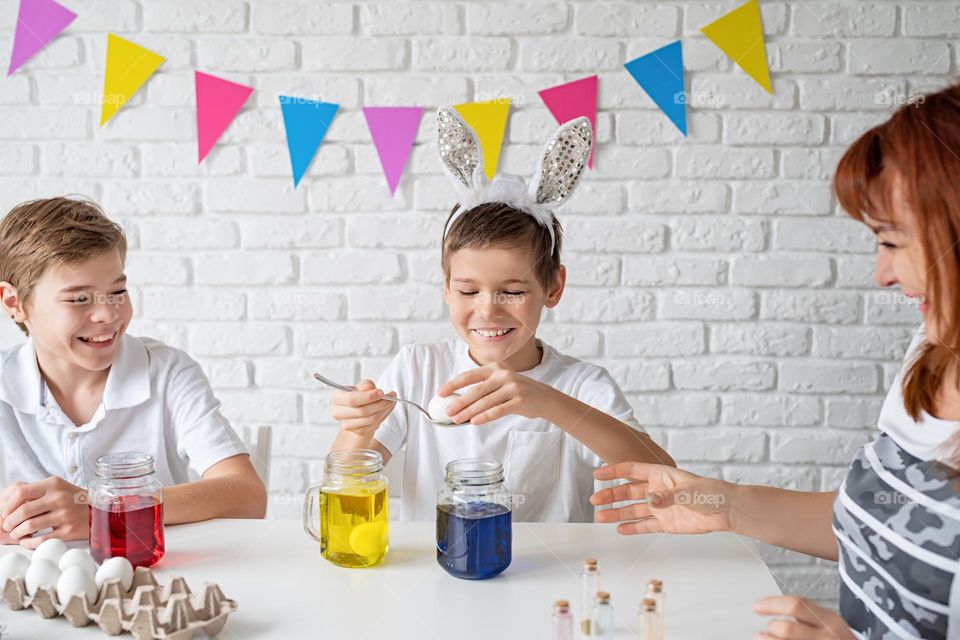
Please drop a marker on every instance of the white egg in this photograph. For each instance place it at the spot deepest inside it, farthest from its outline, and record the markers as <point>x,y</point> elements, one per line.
<point>51,550</point>
<point>74,580</point>
<point>78,558</point>
<point>115,568</point>
<point>13,565</point>
<point>41,573</point>
<point>438,408</point>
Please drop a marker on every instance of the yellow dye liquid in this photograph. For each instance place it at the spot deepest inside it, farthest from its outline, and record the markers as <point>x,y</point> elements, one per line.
<point>353,526</point>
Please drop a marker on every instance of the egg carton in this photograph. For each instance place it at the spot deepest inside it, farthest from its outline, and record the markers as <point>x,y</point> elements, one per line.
<point>146,611</point>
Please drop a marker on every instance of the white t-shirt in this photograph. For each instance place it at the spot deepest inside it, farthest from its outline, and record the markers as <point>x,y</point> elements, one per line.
<point>156,400</point>
<point>549,471</point>
<point>924,439</point>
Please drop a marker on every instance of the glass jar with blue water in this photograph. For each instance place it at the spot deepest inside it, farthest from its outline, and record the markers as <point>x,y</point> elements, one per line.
<point>474,520</point>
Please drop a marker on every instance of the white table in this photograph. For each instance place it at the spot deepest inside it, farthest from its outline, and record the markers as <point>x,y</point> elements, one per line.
<point>285,590</point>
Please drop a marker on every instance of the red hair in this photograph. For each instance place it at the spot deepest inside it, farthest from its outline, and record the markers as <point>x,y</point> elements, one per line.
<point>917,148</point>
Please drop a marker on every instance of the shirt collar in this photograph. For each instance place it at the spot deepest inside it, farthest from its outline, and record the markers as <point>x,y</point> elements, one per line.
<point>128,383</point>
<point>20,382</point>
<point>546,360</point>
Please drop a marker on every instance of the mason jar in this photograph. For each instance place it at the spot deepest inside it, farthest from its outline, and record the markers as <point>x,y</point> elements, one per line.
<point>126,510</point>
<point>474,520</point>
<point>353,501</point>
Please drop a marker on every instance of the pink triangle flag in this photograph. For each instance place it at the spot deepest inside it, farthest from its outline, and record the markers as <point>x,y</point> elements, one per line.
<point>218,102</point>
<point>572,100</point>
<point>38,22</point>
<point>393,130</point>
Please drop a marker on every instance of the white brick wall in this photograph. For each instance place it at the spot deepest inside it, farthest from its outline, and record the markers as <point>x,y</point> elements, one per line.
<point>712,275</point>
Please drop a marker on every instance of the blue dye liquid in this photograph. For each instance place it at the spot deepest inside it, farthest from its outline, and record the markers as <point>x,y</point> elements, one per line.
<point>474,540</point>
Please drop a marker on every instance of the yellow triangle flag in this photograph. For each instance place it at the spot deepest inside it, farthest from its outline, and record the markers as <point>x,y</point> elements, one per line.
<point>740,35</point>
<point>489,121</point>
<point>128,66</point>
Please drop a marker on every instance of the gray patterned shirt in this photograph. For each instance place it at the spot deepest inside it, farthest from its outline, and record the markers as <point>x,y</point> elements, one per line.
<point>897,522</point>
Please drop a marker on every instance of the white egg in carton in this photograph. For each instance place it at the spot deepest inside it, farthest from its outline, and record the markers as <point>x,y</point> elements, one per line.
<point>114,596</point>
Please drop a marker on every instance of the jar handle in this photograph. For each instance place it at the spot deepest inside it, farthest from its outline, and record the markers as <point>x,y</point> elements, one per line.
<point>309,500</point>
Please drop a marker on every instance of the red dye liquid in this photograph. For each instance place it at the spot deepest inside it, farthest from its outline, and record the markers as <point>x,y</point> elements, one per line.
<point>137,534</point>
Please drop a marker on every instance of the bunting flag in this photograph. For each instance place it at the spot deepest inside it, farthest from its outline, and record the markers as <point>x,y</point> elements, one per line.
<point>572,100</point>
<point>739,34</point>
<point>393,130</point>
<point>128,66</point>
<point>660,74</point>
<point>38,22</point>
<point>218,102</point>
<point>306,123</point>
<point>489,121</point>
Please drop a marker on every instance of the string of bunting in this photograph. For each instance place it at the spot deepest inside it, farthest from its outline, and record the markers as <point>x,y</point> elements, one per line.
<point>739,34</point>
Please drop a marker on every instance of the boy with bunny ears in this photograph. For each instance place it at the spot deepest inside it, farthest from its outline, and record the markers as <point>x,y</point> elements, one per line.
<point>550,419</point>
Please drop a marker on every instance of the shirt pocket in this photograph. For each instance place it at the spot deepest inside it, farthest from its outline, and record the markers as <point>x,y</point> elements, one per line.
<point>533,460</point>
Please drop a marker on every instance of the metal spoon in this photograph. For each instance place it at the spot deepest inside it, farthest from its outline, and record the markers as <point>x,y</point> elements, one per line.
<point>344,387</point>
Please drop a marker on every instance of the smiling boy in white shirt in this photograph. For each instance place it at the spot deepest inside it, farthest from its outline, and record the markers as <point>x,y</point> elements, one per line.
<point>80,387</point>
<point>550,419</point>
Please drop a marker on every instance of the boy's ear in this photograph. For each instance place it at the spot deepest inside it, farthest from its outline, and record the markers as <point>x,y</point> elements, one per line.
<point>555,293</point>
<point>10,299</point>
<point>446,290</point>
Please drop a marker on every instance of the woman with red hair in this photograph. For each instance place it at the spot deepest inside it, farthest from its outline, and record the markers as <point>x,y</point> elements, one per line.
<point>894,524</point>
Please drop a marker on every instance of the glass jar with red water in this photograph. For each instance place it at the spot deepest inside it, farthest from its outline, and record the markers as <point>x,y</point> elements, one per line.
<point>126,510</point>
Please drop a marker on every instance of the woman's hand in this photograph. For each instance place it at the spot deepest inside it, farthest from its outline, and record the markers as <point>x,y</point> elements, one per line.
<point>811,622</point>
<point>677,501</point>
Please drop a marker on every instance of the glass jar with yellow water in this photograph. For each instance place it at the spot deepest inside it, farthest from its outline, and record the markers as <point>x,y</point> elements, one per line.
<point>353,509</point>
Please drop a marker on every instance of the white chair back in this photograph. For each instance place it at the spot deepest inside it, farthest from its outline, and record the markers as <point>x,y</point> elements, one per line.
<point>258,441</point>
<point>394,473</point>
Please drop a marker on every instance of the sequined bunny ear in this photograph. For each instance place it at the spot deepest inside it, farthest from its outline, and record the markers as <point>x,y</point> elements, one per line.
<point>460,154</point>
<point>562,163</point>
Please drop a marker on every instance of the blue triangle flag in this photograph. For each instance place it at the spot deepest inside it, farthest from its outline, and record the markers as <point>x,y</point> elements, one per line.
<point>660,74</point>
<point>306,123</point>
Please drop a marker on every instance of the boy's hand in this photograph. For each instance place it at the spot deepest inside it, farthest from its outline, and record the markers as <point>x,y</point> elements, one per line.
<point>361,411</point>
<point>497,392</point>
<point>53,503</point>
<point>6,538</point>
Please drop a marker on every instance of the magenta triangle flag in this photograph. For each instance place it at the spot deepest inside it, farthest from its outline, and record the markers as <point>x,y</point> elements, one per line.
<point>218,102</point>
<point>393,130</point>
<point>38,22</point>
<point>572,100</point>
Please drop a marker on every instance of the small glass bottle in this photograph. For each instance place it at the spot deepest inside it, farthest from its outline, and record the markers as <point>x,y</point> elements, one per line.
<point>353,505</point>
<point>561,623</point>
<point>474,520</point>
<point>126,510</point>
<point>655,592</point>
<point>589,586</point>
<point>648,620</point>
<point>601,620</point>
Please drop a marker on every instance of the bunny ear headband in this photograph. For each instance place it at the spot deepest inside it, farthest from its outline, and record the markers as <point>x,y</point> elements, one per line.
<point>552,184</point>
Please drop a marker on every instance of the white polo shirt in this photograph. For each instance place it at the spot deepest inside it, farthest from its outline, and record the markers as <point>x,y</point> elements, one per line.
<point>156,400</point>
<point>549,471</point>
